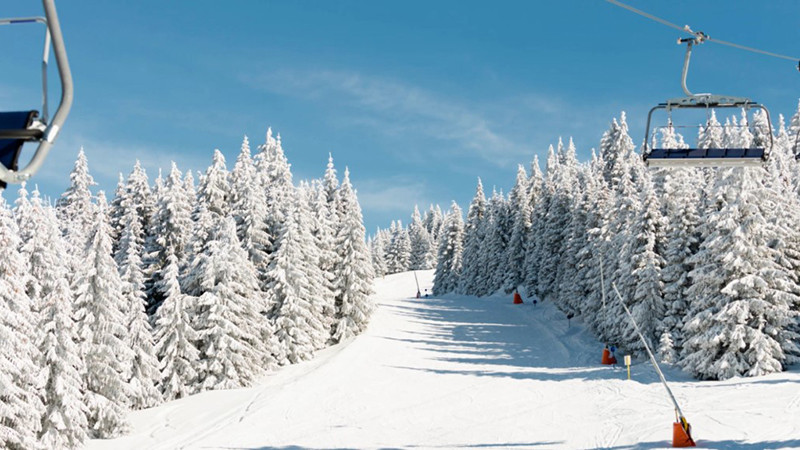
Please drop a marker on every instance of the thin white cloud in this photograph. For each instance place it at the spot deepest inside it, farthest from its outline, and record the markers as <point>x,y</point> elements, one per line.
<point>108,158</point>
<point>395,108</point>
<point>393,194</point>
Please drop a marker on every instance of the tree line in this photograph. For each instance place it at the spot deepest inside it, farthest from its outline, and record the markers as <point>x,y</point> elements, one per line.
<point>170,289</point>
<point>707,260</point>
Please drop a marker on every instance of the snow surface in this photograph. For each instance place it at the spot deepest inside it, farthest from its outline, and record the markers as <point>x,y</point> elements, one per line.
<point>464,372</point>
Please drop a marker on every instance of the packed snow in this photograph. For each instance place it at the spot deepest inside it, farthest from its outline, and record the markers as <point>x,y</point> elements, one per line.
<point>459,371</point>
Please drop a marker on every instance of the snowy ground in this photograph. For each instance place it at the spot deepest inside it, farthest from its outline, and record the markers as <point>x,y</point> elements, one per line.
<point>460,372</point>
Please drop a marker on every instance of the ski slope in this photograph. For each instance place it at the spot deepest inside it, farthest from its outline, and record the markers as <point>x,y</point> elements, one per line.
<point>461,372</point>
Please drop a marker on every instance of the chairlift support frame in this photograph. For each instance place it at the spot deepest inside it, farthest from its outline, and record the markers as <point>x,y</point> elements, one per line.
<point>37,128</point>
<point>708,157</point>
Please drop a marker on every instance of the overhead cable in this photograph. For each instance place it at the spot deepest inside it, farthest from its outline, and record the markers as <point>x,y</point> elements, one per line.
<point>700,34</point>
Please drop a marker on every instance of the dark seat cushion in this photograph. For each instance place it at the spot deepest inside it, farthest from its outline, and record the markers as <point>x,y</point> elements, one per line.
<point>13,133</point>
<point>722,153</point>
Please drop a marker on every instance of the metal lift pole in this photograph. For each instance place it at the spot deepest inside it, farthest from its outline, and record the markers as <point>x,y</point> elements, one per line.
<point>684,423</point>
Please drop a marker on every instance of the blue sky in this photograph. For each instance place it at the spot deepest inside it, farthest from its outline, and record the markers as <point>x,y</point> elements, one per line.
<point>417,98</point>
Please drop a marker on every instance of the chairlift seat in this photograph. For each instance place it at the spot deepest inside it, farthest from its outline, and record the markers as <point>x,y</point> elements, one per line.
<point>15,130</point>
<point>706,157</point>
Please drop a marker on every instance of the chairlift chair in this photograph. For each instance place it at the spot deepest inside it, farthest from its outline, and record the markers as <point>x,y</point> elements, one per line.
<point>19,127</point>
<point>704,157</point>
<point>797,145</point>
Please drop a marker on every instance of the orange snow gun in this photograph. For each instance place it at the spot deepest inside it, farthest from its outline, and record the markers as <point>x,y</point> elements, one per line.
<point>517,298</point>
<point>682,433</point>
<point>681,430</point>
<point>607,358</point>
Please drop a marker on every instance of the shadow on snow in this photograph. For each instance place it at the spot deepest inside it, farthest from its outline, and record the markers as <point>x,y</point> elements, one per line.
<point>503,445</point>
<point>719,445</point>
<point>515,341</point>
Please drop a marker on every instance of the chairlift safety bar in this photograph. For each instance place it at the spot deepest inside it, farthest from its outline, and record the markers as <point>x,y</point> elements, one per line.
<point>706,101</point>
<point>45,54</point>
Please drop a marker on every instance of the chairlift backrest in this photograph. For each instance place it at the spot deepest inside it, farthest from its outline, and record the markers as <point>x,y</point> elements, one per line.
<point>712,156</point>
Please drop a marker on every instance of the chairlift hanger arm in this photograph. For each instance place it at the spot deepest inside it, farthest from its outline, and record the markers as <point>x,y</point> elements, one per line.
<point>49,134</point>
<point>687,29</point>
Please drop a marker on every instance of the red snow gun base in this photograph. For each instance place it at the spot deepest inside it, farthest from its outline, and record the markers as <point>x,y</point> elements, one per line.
<point>681,437</point>
<point>517,298</point>
<point>607,358</point>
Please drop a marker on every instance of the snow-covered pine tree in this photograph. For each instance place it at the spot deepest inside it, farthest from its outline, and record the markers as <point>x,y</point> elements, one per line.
<point>473,238</point>
<point>737,311</point>
<point>212,204</point>
<point>137,195</point>
<point>274,174</point>
<point>330,183</point>
<point>535,189</point>
<point>103,332</point>
<point>549,220</point>
<point>229,325</point>
<point>215,188</point>
<point>760,129</point>
<point>666,352</point>
<point>353,269</point>
<point>782,159</point>
<point>174,335</point>
<point>21,405</point>
<point>75,207</point>
<point>627,206</point>
<point>572,290</point>
<point>784,205</point>
<point>398,255</point>
<point>433,221</point>
<point>144,374</point>
<point>115,212</point>
<point>567,194</point>
<point>390,251</point>
<point>640,274</point>
<point>420,242</point>
<point>451,244</point>
<point>321,226</point>
<point>169,234</point>
<point>294,284</point>
<point>378,252</point>
<point>64,422</point>
<point>793,130</point>
<point>681,202</point>
<point>496,232</point>
<point>249,209</point>
<point>138,188</point>
<point>594,265</point>
<point>711,135</point>
<point>519,205</point>
<point>76,211</point>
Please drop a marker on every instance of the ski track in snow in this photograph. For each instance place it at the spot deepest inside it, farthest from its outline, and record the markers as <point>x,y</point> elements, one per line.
<point>794,404</point>
<point>456,372</point>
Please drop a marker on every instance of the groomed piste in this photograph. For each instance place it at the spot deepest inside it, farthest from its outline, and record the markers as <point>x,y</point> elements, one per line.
<point>463,372</point>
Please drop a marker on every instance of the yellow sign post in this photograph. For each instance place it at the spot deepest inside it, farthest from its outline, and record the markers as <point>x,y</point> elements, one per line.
<point>628,364</point>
